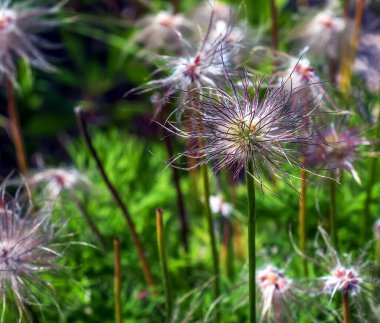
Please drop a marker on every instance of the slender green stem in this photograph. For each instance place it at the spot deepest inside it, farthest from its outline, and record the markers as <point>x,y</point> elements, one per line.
<point>117,281</point>
<point>164,263</point>
<point>371,183</point>
<point>377,255</point>
<point>302,220</point>
<point>211,232</point>
<point>333,216</point>
<point>251,243</point>
<point>346,308</point>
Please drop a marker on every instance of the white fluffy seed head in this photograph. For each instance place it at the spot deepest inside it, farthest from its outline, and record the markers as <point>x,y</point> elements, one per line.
<point>342,279</point>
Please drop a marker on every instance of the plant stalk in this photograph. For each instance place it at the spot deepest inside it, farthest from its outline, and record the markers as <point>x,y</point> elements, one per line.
<point>302,220</point>
<point>15,127</point>
<point>251,242</point>
<point>371,183</point>
<point>348,60</point>
<point>273,12</point>
<point>164,262</point>
<point>377,255</point>
<point>180,199</point>
<point>332,213</point>
<point>117,281</point>
<point>346,308</point>
<point>130,224</point>
<point>211,232</point>
<point>89,221</point>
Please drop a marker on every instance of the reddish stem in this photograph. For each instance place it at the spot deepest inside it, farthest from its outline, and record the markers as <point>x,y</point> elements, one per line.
<point>15,127</point>
<point>130,224</point>
<point>273,11</point>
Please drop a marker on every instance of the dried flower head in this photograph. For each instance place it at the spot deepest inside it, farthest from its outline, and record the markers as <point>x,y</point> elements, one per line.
<point>202,67</point>
<point>336,149</point>
<point>220,10</point>
<point>162,31</point>
<point>274,288</point>
<point>55,180</point>
<point>240,127</point>
<point>26,252</point>
<point>19,28</point>
<point>217,205</point>
<point>298,73</point>
<point>344,276</point>
<point>321,32</point>
<point>367,64</point>
<point>341,279</point>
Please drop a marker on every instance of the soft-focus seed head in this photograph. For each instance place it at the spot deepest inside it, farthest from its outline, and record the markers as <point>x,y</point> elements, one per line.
<point>376,230</point>
<point>217,205</point>
<point>58,179</point>
<point>7,19</point>
<point>336,150</point>
<point>342,279</point>
<point>273,279</point>
<point>27,250</point>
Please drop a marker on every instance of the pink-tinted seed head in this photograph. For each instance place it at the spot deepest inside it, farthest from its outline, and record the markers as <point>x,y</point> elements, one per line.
<point>342,279</point>
<point>7,19</point>
<point>376,228</point>
<point>272,278</point>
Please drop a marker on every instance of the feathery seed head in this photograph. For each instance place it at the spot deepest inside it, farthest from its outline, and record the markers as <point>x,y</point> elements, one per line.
<point>26,251</point>
<point>240,127</point>
<point>163,31</point>
<point>19,26</point>
<point>217,205</point>
<point>271,278</point>
<point>342,279</point>
<point>274,288</point>
<point>58,179</point>
<point>336,150</point>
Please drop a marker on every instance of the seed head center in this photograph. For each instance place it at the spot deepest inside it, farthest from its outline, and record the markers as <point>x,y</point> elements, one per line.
<point>7,18</point>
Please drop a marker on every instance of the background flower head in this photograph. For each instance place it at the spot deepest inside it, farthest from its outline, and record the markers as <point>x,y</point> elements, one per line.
<point>20,24</point>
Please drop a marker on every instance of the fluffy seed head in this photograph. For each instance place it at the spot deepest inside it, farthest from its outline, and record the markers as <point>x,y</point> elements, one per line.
<point>273,279</point>
<point>238,127</point>
<point>58,179</point>
<point>162,31</point>
<point>201,68</point>
<point>19,26</point>
<point>217,205</point>
<point>342,279</point>
<point>336,150</point>
<point>273,285</point>
<point>26,251</point>
<point>321,32</point>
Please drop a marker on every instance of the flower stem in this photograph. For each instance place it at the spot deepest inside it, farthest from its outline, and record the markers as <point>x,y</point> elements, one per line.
<point>346,308</point>
<point>130,224</point>
<point>211,232</point>
<point>15,127</point>
<point>332,213</point>
<point>348,60</point>
<point>273,12</point>
<point>164,262</point>
<point>117,281</point>
<point>377,255</point>
<point>371,183</point>
<point>302,220</point>
<point>89,221</point>
<point>251,243</point>
<point>180,199</point>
